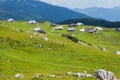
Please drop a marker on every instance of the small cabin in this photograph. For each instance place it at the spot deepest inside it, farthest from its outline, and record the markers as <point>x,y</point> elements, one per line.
<point>59,28</point>
<point>38,29</point>
<point>32,22</point>
<point>82,30</point>
<point>53,25</point>
<point>10,20</point>
<point>71,29</point>
<point>117,29</point>
<point>72,25</point>
<point>79,24</point>
<point>99,29</point>
<point>92,31</point>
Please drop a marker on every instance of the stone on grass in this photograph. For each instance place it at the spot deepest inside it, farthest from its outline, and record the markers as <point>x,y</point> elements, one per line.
<point>85,74</point>
<point>69,73</point>
<point>78,74</point>
<point>104,75</point>
<point>37,76</point>
<point>89,75</point>
<point>52,76</point>
<point>31,37</point>
<point>40,45</point>
<point>103,49</point>
<point>19,76</point>
<point>45,38</point>
<point>118,52</point>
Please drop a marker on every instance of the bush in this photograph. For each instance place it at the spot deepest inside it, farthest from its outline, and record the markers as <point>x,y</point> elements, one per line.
<point>70,37</point>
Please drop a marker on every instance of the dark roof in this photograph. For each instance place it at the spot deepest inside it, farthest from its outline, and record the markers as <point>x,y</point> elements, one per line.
<point>117,29</point>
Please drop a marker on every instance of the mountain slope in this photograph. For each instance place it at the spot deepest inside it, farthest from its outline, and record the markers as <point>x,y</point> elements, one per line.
<point>34,9</point>
<point>110,14</point>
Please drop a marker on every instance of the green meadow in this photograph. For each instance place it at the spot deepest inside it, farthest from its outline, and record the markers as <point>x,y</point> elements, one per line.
<point>19,53</point>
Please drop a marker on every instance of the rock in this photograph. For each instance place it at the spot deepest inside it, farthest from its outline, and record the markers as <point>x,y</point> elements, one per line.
<point>31,37</point>
<point>19,76</point>
<point>3,75</point>
<point>37,76</point>
<point>118,52</point>
<point>45,38</point>
<point>78,74</point>
<point>52,76</point>
<point>40,45</point>
<point>69,73</point>
<point>85,74</point>
<point>89,75</point>
<point>34,33</point>
<point>48,48</point>
<point>104,75</point>
<point>72,35</point>
<point>103,49</point>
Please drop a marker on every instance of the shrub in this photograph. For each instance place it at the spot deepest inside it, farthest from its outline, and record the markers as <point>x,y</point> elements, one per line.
<point>70,37</point>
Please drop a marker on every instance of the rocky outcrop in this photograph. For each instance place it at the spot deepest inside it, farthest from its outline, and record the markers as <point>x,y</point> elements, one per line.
<point>104,75</point>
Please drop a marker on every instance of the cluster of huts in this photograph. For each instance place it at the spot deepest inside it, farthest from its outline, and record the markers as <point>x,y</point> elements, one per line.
<point>71,27</point>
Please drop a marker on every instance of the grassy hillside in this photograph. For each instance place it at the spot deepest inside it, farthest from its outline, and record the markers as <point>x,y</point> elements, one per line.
<point>19,53</point>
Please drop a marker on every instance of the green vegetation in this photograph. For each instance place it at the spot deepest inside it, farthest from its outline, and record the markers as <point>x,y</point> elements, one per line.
<point>21,53</point>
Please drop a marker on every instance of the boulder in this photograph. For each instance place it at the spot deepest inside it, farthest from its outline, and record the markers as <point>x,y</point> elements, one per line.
<point>87,74</point>
<point>45,38</point>
<point>19,76</point>
<point>104,75</point>
<point>37,76</point>
<point>78,74</point>
<point>118,52</point>
<point>52,76</point>
<point>69,73</point>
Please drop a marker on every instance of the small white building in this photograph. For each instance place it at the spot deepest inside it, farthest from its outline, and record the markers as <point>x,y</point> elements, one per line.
<point>71,29</point>
<point>32,22</point>
<point>53,25</point>
<point>10,20</point>
<point>37,29</point>
<point>117,29</point>
<point>59,28</point>
<point>72,25</point>
<point>80,24</point>
<point>82,30</point>
<point>99,28</point>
